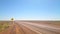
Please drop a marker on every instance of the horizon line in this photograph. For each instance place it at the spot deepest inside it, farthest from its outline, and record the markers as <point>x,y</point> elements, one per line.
<point>33,20</point>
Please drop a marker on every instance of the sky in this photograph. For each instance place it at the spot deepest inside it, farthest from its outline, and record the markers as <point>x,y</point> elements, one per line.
<point>30,9</point>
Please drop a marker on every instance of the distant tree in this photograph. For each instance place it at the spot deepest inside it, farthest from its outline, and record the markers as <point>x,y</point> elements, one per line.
<point>12,19</point>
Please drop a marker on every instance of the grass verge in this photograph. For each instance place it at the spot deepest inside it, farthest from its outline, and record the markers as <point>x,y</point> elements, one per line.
<point>3,26</point>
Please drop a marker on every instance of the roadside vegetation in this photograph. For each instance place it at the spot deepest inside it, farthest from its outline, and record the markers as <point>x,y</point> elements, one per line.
<point>3,26</point>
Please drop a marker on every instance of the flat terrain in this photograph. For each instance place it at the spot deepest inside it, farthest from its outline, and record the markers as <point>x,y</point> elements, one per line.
<point>30,27</point>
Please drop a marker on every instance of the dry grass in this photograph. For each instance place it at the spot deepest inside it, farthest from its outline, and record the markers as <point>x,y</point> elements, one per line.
<point>3,25</point>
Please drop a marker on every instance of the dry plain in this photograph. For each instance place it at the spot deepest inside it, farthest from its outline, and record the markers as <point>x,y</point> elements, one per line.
<point>29,27</point>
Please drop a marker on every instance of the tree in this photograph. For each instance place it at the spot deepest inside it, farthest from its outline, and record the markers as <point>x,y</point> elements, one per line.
<point>12,19</point>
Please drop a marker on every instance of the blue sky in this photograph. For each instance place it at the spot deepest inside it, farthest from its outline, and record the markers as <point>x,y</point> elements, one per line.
<point>30,9</point>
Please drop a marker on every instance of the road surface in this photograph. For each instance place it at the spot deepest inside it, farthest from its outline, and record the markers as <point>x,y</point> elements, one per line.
<point>27,27</point>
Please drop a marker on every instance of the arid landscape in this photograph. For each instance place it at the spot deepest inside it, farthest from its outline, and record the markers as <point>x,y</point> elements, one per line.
<point>29,27</point>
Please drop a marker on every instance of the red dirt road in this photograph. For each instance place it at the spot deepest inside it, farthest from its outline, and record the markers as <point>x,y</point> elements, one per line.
<point>29,27</point>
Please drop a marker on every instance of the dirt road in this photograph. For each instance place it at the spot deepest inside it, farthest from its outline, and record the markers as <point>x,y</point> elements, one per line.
<point>29,27</point>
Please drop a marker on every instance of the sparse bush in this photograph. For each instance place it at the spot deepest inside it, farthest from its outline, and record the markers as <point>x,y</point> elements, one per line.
<point>3,26</point>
